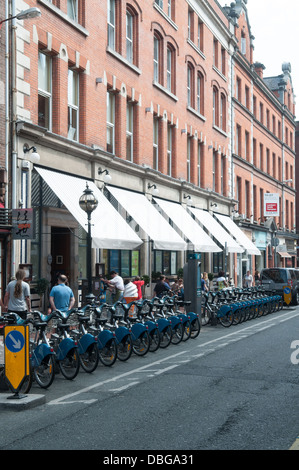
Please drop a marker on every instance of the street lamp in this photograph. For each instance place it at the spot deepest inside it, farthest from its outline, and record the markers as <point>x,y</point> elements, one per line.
<point>24,15</point>
<point>88,203</point>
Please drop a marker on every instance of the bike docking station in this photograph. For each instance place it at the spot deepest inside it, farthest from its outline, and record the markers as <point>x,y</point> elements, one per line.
<point>17,368</point>
<point>192,282</point>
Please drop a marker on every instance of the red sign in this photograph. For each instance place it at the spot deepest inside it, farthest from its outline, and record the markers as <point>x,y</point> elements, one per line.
<point>271,207</point>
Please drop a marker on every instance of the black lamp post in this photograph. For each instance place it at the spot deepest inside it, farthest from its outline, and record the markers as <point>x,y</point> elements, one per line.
<point>88,202</point>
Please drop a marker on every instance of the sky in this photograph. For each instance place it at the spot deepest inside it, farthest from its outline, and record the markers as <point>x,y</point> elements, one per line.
<point>274,24</point>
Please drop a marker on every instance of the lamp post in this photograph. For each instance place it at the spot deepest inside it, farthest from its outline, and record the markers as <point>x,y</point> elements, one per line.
<point>88,203</point>
<point>10,107</point>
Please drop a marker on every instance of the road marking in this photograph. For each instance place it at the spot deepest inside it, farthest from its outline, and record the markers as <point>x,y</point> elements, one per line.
<point>124,387</point>
<point>236,336</point>
<point>103,382</point>
<point>295,446</point>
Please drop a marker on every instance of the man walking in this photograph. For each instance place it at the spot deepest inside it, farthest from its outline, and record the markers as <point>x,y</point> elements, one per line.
<point>61,296</point>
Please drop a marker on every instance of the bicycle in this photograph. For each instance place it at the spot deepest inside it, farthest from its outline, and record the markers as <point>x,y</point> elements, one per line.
<point>106,339</point>
<point>66,349</point>
<point>139,331</point>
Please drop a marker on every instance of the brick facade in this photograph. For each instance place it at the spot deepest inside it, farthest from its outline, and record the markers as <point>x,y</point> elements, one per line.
<point>184,66</point>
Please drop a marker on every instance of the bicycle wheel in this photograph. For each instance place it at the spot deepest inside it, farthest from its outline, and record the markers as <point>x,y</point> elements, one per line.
<point>227,320</point>
<point>44,374</point>
<point>124,348</point>
<point>141,345</point>
<point>177,333</point>
<point>108,354</point>
<point>90,359</point>
<point>187,330</point>
<point>69,366</point>
<point>155,340</point>
<point>195,328</point>
<point>205,317</point>
<point>165,337</point>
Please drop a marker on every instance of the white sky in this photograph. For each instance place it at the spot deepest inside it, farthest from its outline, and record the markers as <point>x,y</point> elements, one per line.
<point>274,24</point>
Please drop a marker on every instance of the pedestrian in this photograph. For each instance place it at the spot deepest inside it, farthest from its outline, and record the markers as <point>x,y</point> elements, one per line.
<point>161,288</point>
<point>117,284</point>
<point>17,295</point>
<point>181,290</point>
<point>221,281</point>
<point>204,286</point>
<point>139,283</point>
<point>248,279</point>
<point>61,295</point>
<point>257,278</point>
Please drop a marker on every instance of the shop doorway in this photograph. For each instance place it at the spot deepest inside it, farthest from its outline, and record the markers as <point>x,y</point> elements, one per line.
<point>60,250</point>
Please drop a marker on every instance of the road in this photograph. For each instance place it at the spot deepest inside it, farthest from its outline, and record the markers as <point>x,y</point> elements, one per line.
<point>234,388</point>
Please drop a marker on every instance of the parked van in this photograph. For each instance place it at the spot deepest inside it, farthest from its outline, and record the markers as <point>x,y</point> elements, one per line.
<point>278,278</point>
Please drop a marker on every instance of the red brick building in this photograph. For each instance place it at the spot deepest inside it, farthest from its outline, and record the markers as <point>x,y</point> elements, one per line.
<point>162,95</point>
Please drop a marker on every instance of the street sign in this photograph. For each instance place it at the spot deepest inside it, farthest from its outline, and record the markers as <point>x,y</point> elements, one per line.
<point>16,355</point>
<point>287,295</point>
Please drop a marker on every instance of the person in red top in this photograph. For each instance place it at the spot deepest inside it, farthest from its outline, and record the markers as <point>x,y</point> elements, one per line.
<point>137,281</point>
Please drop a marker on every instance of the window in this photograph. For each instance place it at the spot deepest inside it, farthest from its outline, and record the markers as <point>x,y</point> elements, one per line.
<point>111,24</point>
<point>262,113</point>
<point>155,143</point>
<point>190,74</point>
<point>169,149</point>
<point>72,9</point>
<point>215,107</point>
<point>157,52</point>
<point>247,147</point>
<point>169,71</point>
<point>222,175</point>
<point>223,61</point>
<point>215,53</point>
<point>73,105</point>
<point>214,180</point>
<point>110,123</point>
<point>262,157</point>
<point>199,41</point>
<point>199,156</point>
<point>238,141</point>
<point>247,99</point>
<point>247,199</point>
<point>223,112</point>
<point>199,96</point>
<point>129,132</point>
<point>274,165</point>
<point>159,3</point>
<point>44,90</point>
<point>189,159</point>
<point>129,37</point>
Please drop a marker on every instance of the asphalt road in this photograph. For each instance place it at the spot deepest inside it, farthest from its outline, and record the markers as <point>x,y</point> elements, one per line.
<point>234,388</point>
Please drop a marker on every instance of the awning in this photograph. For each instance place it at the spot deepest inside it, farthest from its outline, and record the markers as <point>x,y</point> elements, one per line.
<point>164,237</point>
<point>284,254</point>
<point>109,230</point>
<point>189,227</point>
<point>211,224</point>
<point>237,233</point>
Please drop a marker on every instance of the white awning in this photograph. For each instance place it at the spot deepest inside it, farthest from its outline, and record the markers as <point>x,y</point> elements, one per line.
<point>109,230</point>
<point>164,237</point>
<point>189,227</point>
<point>211,224</point>
<point>237,233</point>
<point>284,254</point>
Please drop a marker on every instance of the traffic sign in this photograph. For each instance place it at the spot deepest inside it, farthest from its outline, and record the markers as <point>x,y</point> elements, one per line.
<point>16,355</point>
<point>287,295</point>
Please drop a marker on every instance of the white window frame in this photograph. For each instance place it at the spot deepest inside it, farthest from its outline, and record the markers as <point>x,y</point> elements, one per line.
<point>110,123</point>
<point>46,93</point>
<point>73,80</point>
<point>189,159</point>
<point>198,163</point>
<point>169,69</point>
<point>129,131</point>
<point>72,9</point>
<point>111,24</point>
<point>155,143</point>
<point>156,59</point>
<point>169,149</point>
<point>129,37</point>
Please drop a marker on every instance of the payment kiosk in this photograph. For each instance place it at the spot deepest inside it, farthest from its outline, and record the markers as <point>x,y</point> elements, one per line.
<point>192,282</point>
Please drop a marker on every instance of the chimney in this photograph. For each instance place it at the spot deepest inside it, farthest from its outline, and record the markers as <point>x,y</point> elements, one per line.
<point>259,69</point>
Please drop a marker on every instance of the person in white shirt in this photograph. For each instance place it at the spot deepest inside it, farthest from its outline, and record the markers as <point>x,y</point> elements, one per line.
<point>117,283</point>
<point>248,279</point>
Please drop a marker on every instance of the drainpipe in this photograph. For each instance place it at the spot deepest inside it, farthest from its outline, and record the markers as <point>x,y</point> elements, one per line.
<point>6,98</point>
<point>13,128</point>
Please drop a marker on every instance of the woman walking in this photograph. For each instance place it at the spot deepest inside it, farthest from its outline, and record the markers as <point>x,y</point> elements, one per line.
<point>17,295</point>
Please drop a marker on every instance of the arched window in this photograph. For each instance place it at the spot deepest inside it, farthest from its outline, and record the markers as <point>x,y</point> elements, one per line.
<point>158,59</point>
<point>223,112</point>
<point>215,107</point>
<point>190,85</point>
